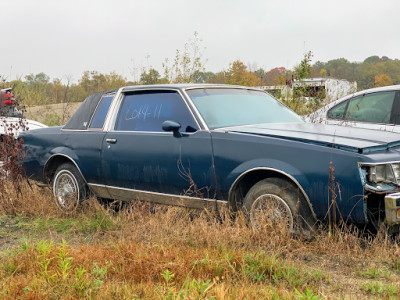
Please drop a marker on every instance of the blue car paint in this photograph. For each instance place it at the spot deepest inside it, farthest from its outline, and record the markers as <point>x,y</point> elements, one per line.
<point>236,153</point>
<point>215,159</point>
<point>142,161</point>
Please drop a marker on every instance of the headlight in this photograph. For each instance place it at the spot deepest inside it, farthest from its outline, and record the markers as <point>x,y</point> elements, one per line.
<point>389,173</point>
<point>396,170</point>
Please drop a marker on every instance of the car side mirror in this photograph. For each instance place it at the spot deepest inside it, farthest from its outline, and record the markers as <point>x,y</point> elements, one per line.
<point>172,126</point>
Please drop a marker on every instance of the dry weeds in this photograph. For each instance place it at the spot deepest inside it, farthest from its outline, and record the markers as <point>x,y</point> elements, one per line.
<point>152,251</point>
<point>46,113</point>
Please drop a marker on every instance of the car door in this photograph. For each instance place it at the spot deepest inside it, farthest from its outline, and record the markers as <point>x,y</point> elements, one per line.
<point>377,110</point>
<point>139,158</point>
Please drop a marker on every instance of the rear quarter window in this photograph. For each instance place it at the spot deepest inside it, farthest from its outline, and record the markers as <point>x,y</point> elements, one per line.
<point>338,111</point>
<point>101,112</point>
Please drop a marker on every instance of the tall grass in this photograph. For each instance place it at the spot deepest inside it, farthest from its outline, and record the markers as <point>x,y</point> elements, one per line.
<point>153,251</point>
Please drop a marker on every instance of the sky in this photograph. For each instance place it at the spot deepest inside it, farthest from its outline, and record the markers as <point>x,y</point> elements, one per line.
<point>64,38</point>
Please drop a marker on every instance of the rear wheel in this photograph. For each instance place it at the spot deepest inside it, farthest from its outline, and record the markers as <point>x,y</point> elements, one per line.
<point>277,202</point>
<point>69,188</point>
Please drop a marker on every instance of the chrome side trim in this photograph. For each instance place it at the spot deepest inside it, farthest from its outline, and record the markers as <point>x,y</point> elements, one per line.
<point>74,130</point>
<point>196,111</point>
<point>66,156</point>
<point>169,199</point>
<point>360,164</point>
<point>189,108</point>
<point>229,128</point>
<point>83,130</point>
<point>155,132</point>
<point>112,111</point>
<point>221,86</point>
<point>100,190</point>
<point>274,170</point>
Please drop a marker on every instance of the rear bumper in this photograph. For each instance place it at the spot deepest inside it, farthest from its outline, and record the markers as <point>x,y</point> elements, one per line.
<point>392,209</point>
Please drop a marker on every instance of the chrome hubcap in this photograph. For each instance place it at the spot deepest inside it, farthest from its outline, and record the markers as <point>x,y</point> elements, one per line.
<point>66,190</point>
<point>271,209</point>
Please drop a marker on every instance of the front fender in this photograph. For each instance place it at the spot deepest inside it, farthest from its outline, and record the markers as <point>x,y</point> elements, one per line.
<point>272,164</point>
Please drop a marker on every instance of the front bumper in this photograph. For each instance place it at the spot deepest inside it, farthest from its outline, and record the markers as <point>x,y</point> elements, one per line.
<point>392,208</point>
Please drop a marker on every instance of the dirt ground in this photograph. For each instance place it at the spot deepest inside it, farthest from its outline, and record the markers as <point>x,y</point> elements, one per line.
<point>13,230</point>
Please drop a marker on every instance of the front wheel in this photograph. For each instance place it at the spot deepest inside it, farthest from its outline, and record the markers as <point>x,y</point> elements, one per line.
<point>69,188</point>
<point>277,202</point>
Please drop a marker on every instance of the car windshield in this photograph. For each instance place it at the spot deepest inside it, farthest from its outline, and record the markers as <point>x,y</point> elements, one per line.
<point>225,107</point>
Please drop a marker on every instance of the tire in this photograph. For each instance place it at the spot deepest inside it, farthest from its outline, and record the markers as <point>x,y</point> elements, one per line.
<point>276,202</point>
<point>69,187</point>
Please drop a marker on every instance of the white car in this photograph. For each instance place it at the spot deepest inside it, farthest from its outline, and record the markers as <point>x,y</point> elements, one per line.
<point>14,126</point>
<point>377,108</point>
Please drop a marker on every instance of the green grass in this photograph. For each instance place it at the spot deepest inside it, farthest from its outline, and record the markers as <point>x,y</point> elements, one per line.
<point>373,272</point>
<point>52,119</point>
<point>47,269</point>
<point>100,221</point>
<point>172,253</point>
<point>378,288</point>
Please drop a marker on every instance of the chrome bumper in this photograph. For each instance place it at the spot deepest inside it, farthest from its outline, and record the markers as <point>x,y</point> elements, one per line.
<point>392,208</point>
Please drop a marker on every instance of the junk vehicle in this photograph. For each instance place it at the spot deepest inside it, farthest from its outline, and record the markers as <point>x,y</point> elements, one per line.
<point>8,107</point>
<point>12,121</point>
<point>214,146</point>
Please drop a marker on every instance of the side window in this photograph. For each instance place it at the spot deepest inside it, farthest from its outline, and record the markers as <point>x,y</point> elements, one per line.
<point>337,112</point>
<point>148,110</point>
<point>101,112</point>
<point>376,108</point>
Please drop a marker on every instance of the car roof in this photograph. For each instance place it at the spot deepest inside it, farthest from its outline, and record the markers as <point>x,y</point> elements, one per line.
<point>80,120</point>
<point>183,86</point>
<point>328,106</point>
<point>369,91</point>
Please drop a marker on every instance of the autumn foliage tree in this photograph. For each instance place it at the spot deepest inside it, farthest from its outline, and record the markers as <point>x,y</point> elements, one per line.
<point>94,81</point>
<point>188,65</point>
<point>367,74</point>
<point>239,74</point>
<point>275,76</point>
<point>383,80</point>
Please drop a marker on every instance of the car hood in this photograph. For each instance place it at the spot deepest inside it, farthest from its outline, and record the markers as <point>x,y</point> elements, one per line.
<point>341,137</point>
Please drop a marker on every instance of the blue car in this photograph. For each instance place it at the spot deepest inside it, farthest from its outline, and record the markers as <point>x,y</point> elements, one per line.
<point>215,146</point>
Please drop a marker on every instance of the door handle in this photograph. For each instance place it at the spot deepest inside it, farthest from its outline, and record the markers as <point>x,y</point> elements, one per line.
<point>111,141</point>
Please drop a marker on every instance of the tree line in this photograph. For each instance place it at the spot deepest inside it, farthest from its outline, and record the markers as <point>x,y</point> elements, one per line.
<point>188,66</point>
